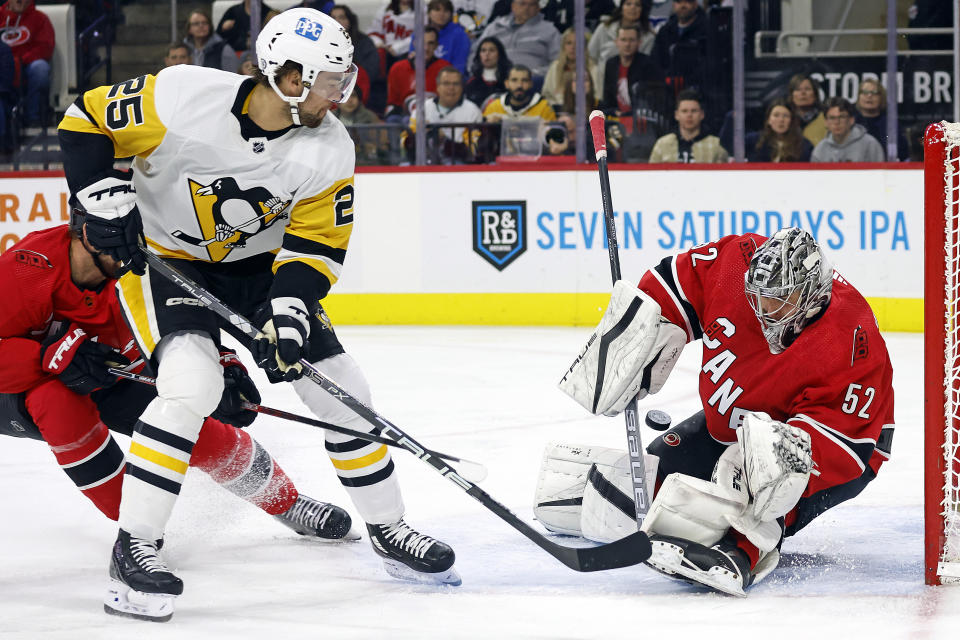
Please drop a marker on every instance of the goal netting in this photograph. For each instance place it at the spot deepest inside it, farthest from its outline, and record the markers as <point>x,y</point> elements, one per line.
<point>942,352</point>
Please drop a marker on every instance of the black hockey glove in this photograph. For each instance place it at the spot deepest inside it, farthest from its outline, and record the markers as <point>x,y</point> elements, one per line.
<point>238,388</point>
<point>112,219</point>
<point>284,340</point>
<point>81,364</point>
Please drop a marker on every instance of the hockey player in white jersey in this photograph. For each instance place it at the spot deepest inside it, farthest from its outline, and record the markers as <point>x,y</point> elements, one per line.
<point>245,186</point>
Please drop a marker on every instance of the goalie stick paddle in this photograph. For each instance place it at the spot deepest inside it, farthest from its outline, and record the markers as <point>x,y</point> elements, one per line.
<point>638,472</point>
<point>625,552</point>
<point>472,471</point>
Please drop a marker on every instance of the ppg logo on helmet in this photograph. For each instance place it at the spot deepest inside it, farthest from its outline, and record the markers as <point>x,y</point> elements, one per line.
<point>308,29</point>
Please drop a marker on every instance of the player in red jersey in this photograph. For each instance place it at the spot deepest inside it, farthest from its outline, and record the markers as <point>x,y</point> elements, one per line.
<point>797,396</point>
<point>61,329</point>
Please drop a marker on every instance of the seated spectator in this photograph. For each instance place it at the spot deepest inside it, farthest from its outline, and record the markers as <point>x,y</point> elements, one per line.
<point>488,71</point>
<point>177,53</point>
<point>401,81</point>
<point>365,54</point>
<point>449,105</point>
<point>690,144</point>
<point>453,42</point>
<point>392,28</point>
<point>845,141</point>
<point>560,13</point>
<point>569,104</point>
<point>207,49</point>
<point>371,145</point>
<point>680,48</point>
<point>631,75</point>
<point>473,15</point>
<point>529,39</point>
<point>519,99</point>
<point>872,114</point>
<point>803,95</point>
<point>603,44</point>
<point>564,68</point>
<point>234,26</point>
<point>781,139</point>
<point>29,34</point>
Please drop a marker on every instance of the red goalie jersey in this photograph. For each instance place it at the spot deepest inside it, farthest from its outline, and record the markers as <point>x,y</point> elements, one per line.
<point>834,381</point>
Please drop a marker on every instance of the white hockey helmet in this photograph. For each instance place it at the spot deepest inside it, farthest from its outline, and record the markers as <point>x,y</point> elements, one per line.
<point>316,42</point>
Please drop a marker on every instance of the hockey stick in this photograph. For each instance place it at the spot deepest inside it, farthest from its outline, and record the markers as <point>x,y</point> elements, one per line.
<point>634,445</point>
<point>473,471</point>
<point>625,552</point>
<point>200,242</point>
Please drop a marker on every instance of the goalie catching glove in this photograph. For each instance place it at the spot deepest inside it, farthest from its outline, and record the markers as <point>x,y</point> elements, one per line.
<point>778,461</point>
<point>629,355</point>
<point>112,220</point>
<point>283,340</point>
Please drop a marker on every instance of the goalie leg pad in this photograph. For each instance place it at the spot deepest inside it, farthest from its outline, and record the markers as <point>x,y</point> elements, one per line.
<point>693,509</point>
<point>729,473</point>
<point>778,462</point>
<point>630,354</point>
<point>609,511</point>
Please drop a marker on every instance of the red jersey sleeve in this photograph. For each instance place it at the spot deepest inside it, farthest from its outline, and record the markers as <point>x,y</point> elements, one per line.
<point>27,311</point>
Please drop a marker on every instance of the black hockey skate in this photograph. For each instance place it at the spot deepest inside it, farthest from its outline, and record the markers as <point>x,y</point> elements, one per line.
<point>408,555</point>
<point>141,585</point>
<point>723,567</point>
<point>321,520</point>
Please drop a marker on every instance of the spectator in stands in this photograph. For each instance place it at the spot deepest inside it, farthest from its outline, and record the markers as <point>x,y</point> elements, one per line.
<point>392,28</point>
<point>519,99</point>
<point>603,44</point>
<point>8,95</point>
<point>564,68</point>
<point>234,26</point>
<point>488,71</point>
<point>690,144</point>
<point>872,114</point>
<point>364,50</point>
<point>803,94</point>
<point>560,13</point>
<point>631,75</point>
<point>29,34</point>
<point>370,144</point>
<point>453,42</point>
<point>846,141</point>
<point>528,38</point>
<point>449,105</point>
<point>177,53</point>
<point>207,49</point>
<point>473,15</point>
<point>401,81</point>
<point>781,139</point>
<point>680,48</point>
<point>569,104</point>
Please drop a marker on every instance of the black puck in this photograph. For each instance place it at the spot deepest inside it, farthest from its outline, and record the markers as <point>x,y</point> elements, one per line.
<point>659,420</point>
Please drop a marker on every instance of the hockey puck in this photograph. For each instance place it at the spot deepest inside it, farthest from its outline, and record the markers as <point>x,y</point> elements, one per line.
<point>658,420</point>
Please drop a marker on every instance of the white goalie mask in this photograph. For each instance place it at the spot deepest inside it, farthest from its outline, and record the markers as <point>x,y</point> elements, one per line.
<point>788,283</point>
<point>316,42</point>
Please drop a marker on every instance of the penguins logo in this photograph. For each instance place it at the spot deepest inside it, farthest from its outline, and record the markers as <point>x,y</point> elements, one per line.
<point>229,215</point>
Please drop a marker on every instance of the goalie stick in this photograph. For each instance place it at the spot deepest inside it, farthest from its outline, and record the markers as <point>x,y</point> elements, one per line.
<point>625,552</point>
<point>472,471</point>
<point>634,445</point>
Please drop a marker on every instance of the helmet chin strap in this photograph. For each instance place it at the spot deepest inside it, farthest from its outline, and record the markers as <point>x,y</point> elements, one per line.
<point>292,101</point>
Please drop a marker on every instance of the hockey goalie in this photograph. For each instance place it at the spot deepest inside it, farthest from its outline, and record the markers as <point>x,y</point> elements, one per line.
<point>797,413</point>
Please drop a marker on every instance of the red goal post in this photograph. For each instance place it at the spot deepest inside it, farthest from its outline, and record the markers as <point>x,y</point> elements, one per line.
<point>942,353</point>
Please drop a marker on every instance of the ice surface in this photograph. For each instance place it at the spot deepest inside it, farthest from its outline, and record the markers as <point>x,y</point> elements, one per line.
<point>488,394</point>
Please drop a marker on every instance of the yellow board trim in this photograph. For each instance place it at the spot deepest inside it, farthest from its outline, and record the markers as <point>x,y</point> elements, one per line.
<point>158,458</point>
<point>359,463</point>
<point>533,309</point>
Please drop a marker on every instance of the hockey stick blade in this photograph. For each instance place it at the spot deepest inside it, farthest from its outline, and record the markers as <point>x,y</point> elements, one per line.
<point>623,553</point>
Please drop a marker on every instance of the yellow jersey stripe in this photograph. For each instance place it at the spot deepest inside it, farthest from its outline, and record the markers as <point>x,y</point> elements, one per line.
<point>157,458</point>
<point>317,265</point>
<point>359,463</point>
<point>133,299</point>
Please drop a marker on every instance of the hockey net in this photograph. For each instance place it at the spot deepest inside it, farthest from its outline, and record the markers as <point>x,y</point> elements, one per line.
<point>942,353</point>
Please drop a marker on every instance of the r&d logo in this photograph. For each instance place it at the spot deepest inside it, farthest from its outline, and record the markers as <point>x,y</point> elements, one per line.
<point>499,230</point>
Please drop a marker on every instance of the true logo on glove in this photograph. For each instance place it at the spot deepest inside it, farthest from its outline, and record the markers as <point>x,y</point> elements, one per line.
<point>65,345</point>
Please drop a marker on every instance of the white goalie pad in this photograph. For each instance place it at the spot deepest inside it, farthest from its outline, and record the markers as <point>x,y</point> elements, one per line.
<point>778,462</point>
<point>630,354</point>
<point>693,509</point>
<point>609,512</point>
<point>729,474</point>
<point>560,499</point>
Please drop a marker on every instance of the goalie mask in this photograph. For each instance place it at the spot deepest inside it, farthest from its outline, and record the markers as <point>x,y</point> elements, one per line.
<point>788,283</point>
<point>319,44</point>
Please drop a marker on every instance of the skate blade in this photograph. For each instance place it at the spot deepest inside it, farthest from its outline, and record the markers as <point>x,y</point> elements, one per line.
<point>669,560</point>
<point>401,571</point>
<point>121,600</point>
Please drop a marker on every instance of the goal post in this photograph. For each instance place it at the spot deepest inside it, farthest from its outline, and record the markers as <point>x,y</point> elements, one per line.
<point>942,353</point>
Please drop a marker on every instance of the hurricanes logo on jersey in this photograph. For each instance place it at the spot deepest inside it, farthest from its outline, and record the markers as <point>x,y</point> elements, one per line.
<point>228,215</point>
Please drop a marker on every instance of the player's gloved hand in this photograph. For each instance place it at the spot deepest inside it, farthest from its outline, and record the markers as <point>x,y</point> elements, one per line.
<point>112,219</point>
<point>81,364</point>
<point>284,339</point>
<point>238,388</point>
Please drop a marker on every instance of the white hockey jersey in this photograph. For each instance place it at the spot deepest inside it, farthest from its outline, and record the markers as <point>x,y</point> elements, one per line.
<point>209,190</point>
